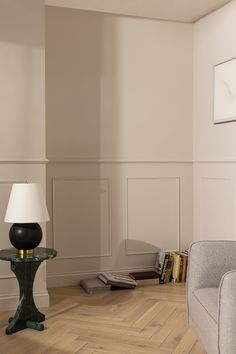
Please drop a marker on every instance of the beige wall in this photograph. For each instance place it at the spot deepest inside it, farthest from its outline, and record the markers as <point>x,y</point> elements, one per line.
<point>214,145</point>
<point>113,88</point>
<point>22,133</point>
<point>119,140</point>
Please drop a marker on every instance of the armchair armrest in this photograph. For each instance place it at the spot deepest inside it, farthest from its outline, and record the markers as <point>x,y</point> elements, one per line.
<point>227,313</point>
<point>208,262</point>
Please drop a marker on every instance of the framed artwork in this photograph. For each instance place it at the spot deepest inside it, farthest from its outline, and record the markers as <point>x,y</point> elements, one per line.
<point>225,92</point>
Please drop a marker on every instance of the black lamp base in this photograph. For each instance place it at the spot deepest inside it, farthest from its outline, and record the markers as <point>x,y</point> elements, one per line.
<point>25,237</point>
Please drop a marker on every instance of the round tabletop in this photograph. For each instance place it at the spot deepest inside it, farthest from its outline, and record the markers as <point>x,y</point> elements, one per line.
<point>40,254</point>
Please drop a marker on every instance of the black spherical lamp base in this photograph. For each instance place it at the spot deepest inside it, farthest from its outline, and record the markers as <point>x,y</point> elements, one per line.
<point>25,237</point>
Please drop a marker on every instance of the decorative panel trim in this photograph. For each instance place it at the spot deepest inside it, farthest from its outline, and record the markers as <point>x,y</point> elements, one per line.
<point>62,258</point>
<point>213,162</point>
<point>7,277</point>
<point>11,181</point>
<point>54,179</point>
<point>217,178</point>
<point>101,161</point>
<point>178,211</point>
<point>112,161</point>
<point>26,161</point>
<point>94,271</point>
<point>10,302</point>
<point>229,179</point>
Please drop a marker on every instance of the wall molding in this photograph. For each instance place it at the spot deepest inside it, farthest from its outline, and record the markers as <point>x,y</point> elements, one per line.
<point>216,178</point>
<point>53,196</point>
<point>139,253</point>
<point>24,161</point>
<point>7,277</point>
<point>112,161</point>
<point>10,302</point>
<point>177,178</point>
<point>82,257</point>
<point>94,271</point>
<point>94,161</point>
<point>11,181</point>
<point>213,162</point>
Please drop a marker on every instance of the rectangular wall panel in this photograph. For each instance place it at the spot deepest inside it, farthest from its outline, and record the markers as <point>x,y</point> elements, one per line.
<point>216,208</point>
<point>153,214</point>
<point>81,217</point>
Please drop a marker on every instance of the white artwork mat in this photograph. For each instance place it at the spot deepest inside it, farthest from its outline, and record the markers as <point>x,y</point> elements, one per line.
<point>225,91</point>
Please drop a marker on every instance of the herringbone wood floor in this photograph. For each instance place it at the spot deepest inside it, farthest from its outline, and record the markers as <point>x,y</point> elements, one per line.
<point>149,319</point>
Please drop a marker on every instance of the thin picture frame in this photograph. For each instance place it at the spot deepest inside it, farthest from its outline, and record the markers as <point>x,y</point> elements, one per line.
<point>224,91</point>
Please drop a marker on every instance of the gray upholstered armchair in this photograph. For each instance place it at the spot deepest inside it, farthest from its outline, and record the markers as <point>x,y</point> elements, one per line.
<point>211,294</point>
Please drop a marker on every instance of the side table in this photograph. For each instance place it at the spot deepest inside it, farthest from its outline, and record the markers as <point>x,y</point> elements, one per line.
<point>27,315</point>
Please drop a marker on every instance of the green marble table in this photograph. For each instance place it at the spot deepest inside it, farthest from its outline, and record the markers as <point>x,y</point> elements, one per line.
<point>27,315</point>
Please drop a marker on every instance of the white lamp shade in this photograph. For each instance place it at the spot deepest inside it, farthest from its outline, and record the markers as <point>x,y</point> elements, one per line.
<point>26,204</point>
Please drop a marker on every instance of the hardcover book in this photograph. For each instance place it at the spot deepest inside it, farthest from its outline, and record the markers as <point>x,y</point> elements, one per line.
<point>118,280</point>
<point>94,285</point>
<point>151,274</point>
<point>164,268</point>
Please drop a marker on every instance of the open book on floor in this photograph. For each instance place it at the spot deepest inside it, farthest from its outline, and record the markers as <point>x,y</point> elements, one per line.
<point>117,280</point>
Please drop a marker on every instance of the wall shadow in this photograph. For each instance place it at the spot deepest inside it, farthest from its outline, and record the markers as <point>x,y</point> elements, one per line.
<point>81,130</point>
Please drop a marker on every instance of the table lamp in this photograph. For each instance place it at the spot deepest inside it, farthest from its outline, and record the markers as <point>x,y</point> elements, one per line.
<point>26,207</point>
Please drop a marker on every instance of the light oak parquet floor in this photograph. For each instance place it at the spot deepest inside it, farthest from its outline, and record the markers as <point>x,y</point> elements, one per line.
<point>148,320</point>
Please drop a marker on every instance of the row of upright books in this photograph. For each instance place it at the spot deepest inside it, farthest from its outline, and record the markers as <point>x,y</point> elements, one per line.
<point>172,266</point>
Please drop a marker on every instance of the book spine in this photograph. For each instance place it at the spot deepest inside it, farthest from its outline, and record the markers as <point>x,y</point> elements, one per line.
<point>160,261</point>
<point>181,268</point>
<point>103,279</point>
<point>185,264</point>
<point>169,269</point>
<point>176,268</point>
<point>85,287</point>
<point>163,272</point>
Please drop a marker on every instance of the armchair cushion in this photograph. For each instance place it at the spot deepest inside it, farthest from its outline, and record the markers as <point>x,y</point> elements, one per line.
<point>208,298</point>
<point>203,321</point>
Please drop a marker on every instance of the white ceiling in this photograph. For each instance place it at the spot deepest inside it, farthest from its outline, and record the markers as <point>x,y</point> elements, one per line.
<point>173,10</point>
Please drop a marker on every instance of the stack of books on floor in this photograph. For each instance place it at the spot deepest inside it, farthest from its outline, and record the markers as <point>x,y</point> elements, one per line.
<point>172,266</point>
<point>108,281</point>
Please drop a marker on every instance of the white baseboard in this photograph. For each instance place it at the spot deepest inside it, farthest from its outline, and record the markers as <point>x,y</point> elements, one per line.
<point>73,279</point>
<point>10,301</point>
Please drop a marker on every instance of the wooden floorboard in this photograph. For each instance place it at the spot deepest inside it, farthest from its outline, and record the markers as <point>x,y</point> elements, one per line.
<point>148,320</point>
